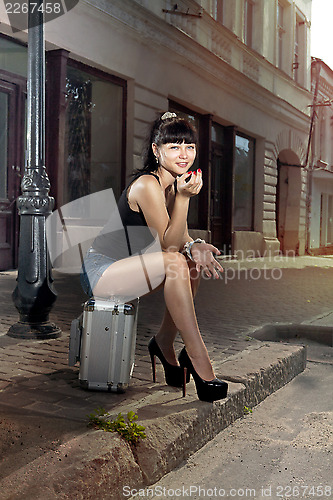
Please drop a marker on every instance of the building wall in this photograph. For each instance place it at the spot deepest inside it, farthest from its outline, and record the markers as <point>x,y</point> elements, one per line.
<point>321,214</point>
<point>321,186</point>
<point>205,66</point>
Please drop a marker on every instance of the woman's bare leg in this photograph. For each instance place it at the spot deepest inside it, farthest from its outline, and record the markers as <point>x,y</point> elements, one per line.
<point>127,278</point>
<point>168,330</point>
<point>179,301</point>
<point>132,277</point>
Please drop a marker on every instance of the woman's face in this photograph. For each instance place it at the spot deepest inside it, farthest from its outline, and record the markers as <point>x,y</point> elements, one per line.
<point>176,158</point>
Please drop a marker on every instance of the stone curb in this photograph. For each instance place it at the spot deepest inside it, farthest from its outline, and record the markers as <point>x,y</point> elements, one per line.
<point>99,465</point>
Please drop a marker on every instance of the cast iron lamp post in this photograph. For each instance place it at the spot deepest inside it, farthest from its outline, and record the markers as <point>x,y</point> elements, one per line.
<point>34,294</point>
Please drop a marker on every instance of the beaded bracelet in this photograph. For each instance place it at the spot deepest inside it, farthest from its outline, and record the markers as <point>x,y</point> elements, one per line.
<point>188,245</point>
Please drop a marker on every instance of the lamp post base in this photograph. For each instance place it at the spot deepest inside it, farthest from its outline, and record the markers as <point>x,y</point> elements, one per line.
<point>34,331</point>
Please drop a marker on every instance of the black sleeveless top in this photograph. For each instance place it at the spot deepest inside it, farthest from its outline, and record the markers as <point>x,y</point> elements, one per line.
<point>126,232</point>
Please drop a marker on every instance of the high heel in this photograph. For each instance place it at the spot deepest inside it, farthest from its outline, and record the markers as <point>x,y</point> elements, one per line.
<point>207,390</point>
<point>173,374</point>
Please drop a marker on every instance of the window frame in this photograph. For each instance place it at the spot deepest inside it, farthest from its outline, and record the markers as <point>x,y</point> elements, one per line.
<point>219,11</point>
<point>280,33</point>
<point>248,22</point>
<point>246,228</point>
<point>299,54</point>
<point>117,81</point>
<point>326,203</point>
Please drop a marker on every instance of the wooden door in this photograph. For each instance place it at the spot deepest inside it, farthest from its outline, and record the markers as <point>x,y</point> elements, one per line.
<point>222,195</point>
<point>217,198</point>
<point>10,173</point>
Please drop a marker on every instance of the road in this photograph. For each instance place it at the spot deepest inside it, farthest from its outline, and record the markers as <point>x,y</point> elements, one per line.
<point>283,449</point>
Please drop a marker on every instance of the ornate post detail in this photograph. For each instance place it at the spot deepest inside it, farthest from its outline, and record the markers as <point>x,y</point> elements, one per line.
<point>34,294</point>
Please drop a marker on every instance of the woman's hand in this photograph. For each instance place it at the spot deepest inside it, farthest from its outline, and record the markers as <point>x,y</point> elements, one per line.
<point>202,254</point>
<point>191,187</point>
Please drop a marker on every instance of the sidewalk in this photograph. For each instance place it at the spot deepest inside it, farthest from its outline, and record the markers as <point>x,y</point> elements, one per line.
<point>47,451</point>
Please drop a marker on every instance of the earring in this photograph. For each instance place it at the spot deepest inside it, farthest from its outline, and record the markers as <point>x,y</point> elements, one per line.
<point>156,159</point>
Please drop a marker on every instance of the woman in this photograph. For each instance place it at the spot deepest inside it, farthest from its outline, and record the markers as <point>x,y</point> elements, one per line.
<point>158,197</point>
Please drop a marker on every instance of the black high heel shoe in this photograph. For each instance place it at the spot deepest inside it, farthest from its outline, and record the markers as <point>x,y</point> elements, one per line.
<point>173,374</point>
<point>207,390</point>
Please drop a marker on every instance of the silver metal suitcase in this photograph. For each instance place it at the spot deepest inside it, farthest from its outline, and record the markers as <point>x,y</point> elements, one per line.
<point>103,340</point>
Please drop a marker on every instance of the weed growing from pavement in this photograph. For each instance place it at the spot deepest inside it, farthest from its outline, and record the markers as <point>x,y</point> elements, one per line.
<point>128,430</point>
<point>247,410</point>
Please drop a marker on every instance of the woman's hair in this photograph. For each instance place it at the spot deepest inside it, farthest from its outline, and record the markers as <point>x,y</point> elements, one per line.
<point>167,128</point>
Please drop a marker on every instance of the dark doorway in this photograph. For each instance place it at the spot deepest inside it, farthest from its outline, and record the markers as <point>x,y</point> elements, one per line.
<point>12,98</point>
<point>222,191</point>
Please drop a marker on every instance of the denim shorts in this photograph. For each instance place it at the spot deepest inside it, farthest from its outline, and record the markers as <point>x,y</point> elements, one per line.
<point>94,265</point>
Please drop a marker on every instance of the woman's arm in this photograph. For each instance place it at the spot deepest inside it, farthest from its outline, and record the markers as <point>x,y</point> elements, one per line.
<point>202,255</point>
<point>186,238</point>
<point>170,205</point>
<point>148,195</point>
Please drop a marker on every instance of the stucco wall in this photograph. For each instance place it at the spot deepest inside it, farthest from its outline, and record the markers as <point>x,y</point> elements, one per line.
<point>319,186</point>
<point>161,62</point>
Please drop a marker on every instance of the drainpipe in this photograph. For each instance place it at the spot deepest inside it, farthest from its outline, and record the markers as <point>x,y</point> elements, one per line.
<point>311,166</point>
<point>34,294</point>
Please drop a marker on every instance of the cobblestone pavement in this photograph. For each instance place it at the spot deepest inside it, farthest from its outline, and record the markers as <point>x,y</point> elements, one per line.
<point>35,376</point>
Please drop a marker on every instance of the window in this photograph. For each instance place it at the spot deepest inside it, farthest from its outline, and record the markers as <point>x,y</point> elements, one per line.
<point>299,50</point>
<point>296,51</point>
<point>218,173</point>
<point>13,57</point>
<point>248,22</point>
<point>4,107</point>
<point>243,190</point>
<point>322,114</point>
<point>330,141</point>
<point>326,220</point>
<point>93,134</point>
<point>280,35</point>
<point>330,220</point>
<point>219,14</point>
<point>13,71</point>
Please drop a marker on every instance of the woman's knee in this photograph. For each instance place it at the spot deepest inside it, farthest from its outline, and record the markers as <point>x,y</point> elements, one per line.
<point>175,265</point>
<point>174,258</point>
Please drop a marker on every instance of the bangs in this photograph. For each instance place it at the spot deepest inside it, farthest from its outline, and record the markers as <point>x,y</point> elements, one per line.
<point>178,131</point>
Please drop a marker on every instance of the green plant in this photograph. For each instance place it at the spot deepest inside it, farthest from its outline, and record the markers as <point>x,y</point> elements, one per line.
<point>247,410</point>
<point>128,430</point>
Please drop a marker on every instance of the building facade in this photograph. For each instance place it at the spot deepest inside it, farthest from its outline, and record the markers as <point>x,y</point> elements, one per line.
<point>321,184</point>
<point>238,69</point>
